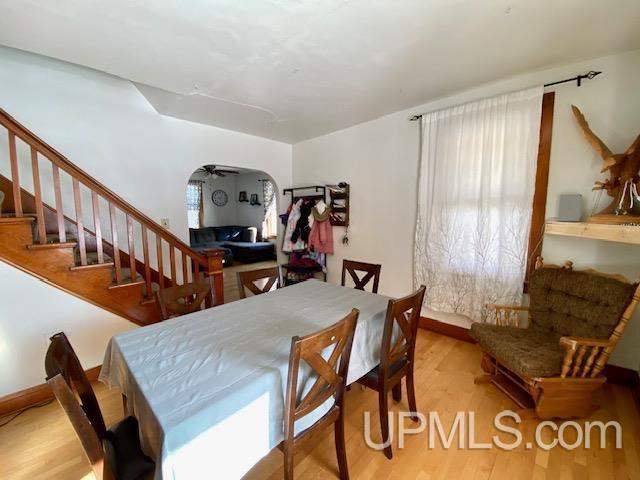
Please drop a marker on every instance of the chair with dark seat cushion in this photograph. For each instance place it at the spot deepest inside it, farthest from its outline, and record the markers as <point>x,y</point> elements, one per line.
<point>114,453</point>
<point>397,355</point>
<point>555,364</point>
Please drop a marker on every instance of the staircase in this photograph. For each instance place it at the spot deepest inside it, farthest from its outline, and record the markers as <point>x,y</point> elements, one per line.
<point>103,250</point>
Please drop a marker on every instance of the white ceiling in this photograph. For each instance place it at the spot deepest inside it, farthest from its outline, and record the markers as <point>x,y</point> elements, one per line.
<point>295,69</point>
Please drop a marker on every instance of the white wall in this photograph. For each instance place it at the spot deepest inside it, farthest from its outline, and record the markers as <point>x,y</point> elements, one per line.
<point>107,128</point>
<point>215,216</point>
<point>380,160</point>
<point>30,312</point>
<point>251,215</point>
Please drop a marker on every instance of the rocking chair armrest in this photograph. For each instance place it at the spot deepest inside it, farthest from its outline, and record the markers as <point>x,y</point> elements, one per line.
<point>575,342</point>
<point>584,357</point>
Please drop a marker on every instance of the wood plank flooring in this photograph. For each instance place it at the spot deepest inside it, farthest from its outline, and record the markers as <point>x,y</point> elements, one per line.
<point>40,444</point>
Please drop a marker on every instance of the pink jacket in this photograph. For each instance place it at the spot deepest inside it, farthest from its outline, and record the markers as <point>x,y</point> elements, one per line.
<point>321,237</point>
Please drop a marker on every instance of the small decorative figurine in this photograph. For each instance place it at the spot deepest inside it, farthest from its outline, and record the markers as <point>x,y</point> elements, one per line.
<point>624,177</point>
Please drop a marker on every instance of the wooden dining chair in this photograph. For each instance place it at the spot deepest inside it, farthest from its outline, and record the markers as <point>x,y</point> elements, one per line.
<point>114,453</point>
<point>397,356</point>
<point>188,298</point>
<point>331,370</point>
<point>259,281</point>
<point>371,272</point>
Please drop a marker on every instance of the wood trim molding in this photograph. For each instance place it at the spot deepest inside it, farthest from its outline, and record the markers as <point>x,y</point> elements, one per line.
<point>34,395</point>
<point>446,329</point>
<point>541,185</point>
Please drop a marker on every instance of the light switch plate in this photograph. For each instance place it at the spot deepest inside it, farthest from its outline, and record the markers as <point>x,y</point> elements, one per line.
<point>165,223</point>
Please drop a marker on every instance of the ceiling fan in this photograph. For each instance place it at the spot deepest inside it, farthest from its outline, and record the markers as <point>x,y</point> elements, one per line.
<point>212,170</point>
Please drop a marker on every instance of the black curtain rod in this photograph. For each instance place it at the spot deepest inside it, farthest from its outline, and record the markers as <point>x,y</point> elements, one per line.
<point>578,79</point>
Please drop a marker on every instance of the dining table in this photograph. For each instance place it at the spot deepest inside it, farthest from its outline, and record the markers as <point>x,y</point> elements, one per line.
<point>208,388</point>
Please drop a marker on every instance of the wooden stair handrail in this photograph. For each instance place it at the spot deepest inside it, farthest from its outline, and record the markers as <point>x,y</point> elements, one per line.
<point>63,163</point>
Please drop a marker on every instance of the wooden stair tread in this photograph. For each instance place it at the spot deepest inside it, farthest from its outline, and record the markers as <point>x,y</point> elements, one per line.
<point>11,219</point>
<point>53,242</point>
<point>148,300</point>
<point>127,280</point>
<point>92,262</point>
<point>41,246</point>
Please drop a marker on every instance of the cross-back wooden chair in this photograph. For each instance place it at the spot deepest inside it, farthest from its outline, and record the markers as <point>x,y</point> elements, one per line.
<point>396,359</point>
<point>114,453</point>
<point>371,272</point>
<point>247,280</point>
<point>188,298</point>
<point>331,381</point>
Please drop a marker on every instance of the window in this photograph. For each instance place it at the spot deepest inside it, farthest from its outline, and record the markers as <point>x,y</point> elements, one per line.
<point>194,204</point>
<point>270,223</point>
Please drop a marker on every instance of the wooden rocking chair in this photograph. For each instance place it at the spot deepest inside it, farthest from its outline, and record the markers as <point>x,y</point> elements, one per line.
<point>555,364</point>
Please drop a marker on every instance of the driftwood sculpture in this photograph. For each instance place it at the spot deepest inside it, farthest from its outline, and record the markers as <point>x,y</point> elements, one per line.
<point>624,177</point>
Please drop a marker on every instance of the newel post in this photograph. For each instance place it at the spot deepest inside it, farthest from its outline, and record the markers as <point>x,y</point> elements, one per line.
<point>214,270</point>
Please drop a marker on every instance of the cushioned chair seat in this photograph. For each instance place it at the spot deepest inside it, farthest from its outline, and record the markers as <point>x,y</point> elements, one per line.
<point>248,252</point>
<point>373,373</point>
<point>250,245</point>
<point>528,352</point>
<point>124,454</point>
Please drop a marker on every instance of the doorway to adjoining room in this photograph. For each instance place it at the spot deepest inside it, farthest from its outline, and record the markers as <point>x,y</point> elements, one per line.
<point>234,209</point>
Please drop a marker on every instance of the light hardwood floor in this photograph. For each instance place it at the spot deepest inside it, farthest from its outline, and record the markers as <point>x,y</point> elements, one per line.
<point>41,443</point>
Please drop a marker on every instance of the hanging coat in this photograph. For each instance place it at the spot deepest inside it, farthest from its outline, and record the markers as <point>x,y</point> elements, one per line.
<point>321,236</point>
<point>303,227</point>
<point>288,245</point>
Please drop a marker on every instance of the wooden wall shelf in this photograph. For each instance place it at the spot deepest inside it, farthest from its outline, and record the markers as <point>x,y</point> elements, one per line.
<point>598,231</point>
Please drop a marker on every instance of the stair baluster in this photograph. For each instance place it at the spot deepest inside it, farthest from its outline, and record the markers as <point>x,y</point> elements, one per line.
<point>15,176</point>
<point>95,203</point>
<point>160,261</point>
<point>114,241</point>
<point>132,253</point>
<point>35,170</point>
<point>62,231</point>
<point>77,200</point>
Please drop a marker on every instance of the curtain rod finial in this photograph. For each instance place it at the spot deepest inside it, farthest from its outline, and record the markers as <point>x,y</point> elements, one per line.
<point>414,118</point>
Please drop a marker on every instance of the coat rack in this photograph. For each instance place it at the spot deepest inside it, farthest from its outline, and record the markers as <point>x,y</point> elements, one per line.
<point>316,188</point>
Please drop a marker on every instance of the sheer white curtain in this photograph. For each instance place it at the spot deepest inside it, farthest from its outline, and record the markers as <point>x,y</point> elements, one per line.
<point>476,184</point>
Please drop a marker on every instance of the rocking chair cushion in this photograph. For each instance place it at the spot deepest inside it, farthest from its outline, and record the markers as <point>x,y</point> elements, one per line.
<point>525,351</point>
<point>575,303</point>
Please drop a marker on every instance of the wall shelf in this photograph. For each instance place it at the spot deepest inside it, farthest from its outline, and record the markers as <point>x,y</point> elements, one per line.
<point>598,231</point>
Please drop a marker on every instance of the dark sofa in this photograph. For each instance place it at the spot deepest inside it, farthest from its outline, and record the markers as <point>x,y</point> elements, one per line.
<point>239,243</point>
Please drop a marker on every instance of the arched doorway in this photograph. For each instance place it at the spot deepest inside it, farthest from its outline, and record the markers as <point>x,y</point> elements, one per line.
<point>234,209</point>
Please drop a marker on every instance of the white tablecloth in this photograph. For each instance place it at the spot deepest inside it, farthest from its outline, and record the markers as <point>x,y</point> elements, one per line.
<point>208,388</point>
